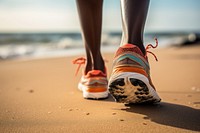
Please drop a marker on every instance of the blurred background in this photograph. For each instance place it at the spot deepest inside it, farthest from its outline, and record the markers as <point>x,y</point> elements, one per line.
<point>49,28</point>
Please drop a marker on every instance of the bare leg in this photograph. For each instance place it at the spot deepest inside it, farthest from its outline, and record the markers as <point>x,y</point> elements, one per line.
<point>134,14</point>
<point>90,14</point>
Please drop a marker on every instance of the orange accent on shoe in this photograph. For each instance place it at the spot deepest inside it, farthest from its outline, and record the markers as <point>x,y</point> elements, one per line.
<point>95,73</point>
<point>94,90</point>
<point>128,45</point>
<point>128,48</point>
<point>130,69</point>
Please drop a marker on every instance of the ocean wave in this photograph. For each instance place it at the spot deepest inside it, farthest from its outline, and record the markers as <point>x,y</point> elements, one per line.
<point>17,45</point>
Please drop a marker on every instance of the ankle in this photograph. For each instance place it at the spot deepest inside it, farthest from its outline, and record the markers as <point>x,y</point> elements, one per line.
<point>87,69</point>
<point>99,65</point>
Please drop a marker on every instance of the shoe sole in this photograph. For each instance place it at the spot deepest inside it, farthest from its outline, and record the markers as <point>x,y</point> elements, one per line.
<point>92,95</point>
<point>130,87</point>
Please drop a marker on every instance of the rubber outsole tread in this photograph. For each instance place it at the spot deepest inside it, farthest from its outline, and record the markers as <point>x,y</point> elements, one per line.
<point>131,91</point>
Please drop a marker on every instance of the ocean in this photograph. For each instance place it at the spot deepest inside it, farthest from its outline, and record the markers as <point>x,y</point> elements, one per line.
<point>43,45</point>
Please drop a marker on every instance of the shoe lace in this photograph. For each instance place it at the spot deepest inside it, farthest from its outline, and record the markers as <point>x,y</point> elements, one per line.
<point>80,61</point>
<point>151,46</point>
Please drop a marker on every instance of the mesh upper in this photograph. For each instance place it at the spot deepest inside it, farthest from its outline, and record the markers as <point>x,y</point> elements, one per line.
<point>128,48</point>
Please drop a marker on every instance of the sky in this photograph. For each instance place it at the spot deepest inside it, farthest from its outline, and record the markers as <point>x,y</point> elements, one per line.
<point>62,16</point>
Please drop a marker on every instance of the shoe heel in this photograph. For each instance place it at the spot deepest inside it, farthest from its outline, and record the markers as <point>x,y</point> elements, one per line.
<point>99,94</point>
<point>132,88</point>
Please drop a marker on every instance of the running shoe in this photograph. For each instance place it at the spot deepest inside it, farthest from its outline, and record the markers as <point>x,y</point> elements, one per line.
<point>94,84</point>
<point>130,81</point>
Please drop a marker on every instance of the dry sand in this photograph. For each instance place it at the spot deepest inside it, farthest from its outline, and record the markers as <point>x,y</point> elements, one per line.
<point>42,96</point>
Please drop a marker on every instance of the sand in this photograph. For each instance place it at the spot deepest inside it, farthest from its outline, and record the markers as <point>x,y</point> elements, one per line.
<point>42,96</point>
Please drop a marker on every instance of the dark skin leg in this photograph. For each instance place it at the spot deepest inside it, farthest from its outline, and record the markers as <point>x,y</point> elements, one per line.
<point>134,14</point>
<point>90,14</point>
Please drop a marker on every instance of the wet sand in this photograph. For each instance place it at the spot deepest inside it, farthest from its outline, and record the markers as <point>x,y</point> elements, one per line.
<point>42,96</point>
